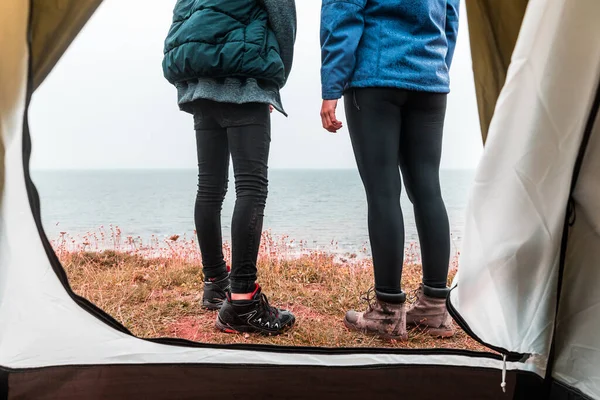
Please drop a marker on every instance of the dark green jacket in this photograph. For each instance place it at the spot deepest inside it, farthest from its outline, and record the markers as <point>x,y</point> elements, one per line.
<point>222,39</point>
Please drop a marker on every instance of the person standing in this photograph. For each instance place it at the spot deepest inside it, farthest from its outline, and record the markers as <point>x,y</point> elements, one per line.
<point>390,61</point>
<point>229,61</point>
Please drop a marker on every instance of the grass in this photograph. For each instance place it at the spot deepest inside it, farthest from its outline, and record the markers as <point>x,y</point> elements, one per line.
<point>155,289</point>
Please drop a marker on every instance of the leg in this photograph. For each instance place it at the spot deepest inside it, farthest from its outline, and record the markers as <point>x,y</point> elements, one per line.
<point>420,153</point>
<point>249,146</point>
<point>247,310</point>
<point>374,120</point>
<point>213,165</point>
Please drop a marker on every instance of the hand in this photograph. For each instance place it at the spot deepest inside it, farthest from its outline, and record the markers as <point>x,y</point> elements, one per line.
<point>270,108</point>
<point>330,122</point>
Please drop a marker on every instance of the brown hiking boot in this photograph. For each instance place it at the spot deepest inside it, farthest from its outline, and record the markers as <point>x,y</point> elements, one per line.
<point>383,319</point>
<point>429,312</point>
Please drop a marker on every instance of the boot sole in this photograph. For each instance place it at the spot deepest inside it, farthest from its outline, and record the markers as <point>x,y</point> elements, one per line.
<point>438,333</point>
<point>386,336</point>
<point>226,328</point>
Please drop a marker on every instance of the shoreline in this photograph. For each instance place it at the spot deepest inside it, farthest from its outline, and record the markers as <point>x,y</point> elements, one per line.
<point>113,239</point>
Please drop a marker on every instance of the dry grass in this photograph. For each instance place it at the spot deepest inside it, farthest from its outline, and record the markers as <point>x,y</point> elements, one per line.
<point>155,290</point>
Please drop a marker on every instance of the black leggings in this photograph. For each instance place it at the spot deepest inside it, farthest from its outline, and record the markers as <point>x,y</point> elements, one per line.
<point>393,128</point>
<point>244,132</point>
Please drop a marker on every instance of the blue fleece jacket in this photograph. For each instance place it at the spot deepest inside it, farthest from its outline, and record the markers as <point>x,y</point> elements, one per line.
<point>406,44</point>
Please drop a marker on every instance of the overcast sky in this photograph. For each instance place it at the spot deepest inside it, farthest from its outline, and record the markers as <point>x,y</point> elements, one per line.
<point>107,105</point>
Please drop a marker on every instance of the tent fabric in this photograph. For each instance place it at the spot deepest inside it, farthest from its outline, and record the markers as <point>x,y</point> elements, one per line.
<point>55,23</point>
<point>577,337</point>
<point>494,27</point>
<point>13,69</point>
<point>514,223</point>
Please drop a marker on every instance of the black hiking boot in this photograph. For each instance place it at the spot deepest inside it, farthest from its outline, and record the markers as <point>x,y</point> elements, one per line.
<point>215,293</point>
<point>253,316</point>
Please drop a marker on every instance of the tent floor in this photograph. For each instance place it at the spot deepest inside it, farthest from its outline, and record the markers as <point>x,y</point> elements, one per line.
<point>157,382</point>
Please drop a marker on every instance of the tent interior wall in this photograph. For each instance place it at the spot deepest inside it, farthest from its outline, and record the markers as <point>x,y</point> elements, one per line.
<point>544,119</point>
<point>537,72</point>
<point>577,356</point>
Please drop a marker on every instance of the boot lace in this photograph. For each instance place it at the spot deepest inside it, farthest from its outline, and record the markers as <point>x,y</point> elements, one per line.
<point>268,310</point>
<point>369,297</point>
<point>414,295</point>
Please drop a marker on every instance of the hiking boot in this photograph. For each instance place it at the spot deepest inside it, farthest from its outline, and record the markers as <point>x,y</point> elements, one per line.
<point>383,319</point>
<point>430,313</point>
<point>253,316</point>
<point>215,293</point>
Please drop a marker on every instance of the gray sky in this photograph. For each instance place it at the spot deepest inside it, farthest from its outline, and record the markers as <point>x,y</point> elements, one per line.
<point>107,105</point>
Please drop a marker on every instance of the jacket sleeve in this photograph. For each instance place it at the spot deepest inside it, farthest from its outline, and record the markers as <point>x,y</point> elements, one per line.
<point>342,24</point>
<point>282,19</point>
<point>452,14</point>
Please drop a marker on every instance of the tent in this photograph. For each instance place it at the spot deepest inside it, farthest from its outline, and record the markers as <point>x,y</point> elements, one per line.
<point>528,281</point>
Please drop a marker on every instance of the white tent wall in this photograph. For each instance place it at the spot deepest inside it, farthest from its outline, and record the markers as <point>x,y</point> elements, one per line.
<point>515,218</point>
<point>577,361</point>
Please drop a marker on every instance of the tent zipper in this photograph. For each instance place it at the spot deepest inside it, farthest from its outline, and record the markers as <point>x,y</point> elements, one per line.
<point>503,384</point>
<point>508,355</point>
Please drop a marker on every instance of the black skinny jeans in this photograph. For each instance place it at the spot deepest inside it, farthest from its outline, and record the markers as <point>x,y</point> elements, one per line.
<point>392,128</point>
<point>244,132</point>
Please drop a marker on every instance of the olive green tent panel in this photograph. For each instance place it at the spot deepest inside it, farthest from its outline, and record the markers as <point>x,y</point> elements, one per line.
<point>55,23</point>
<point>494,27</point>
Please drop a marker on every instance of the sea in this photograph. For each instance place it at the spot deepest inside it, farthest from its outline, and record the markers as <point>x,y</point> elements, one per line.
<point>326,209</point>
